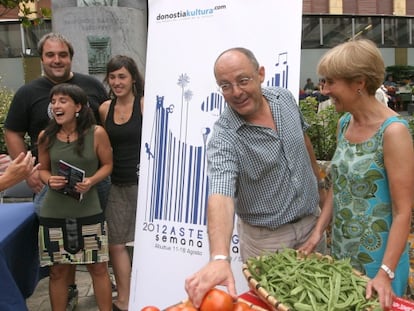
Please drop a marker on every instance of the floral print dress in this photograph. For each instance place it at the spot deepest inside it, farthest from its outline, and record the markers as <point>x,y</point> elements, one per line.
<point>362,204</point>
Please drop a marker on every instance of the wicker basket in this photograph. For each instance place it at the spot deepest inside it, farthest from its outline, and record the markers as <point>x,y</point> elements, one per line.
<point>254,285</point>
<point>273,303</point>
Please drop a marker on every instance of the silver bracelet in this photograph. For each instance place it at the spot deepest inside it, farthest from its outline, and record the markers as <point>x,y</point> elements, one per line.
<point>388,271</point>
<point>220,257</point>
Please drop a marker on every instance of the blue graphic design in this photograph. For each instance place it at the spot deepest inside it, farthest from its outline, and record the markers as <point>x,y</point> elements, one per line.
<point>177,171</point>
<point>280,78</point>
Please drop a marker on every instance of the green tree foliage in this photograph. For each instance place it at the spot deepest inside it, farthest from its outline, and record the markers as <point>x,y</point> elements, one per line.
<point>25,11</point>
<point>323,125</point>
<point>322,131</point>
<point>400,72</point>
<point>411,126</point>
<point>6,96</point>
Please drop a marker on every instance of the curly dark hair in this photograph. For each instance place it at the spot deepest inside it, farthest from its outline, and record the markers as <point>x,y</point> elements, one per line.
<point>84,121</point>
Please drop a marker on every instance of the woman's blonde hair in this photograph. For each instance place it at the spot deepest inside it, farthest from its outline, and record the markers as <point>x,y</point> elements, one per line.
<point>352,60</point>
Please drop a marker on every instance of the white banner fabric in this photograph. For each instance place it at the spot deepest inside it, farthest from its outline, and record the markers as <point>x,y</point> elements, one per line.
<point>181,104</point>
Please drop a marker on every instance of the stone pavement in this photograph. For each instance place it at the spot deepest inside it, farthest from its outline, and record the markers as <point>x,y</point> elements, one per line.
<point>39,301</point>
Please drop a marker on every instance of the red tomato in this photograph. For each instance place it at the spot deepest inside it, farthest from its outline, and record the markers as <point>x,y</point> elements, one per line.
<point>241,306</point>
<point>217,300</point>
<point>150,308</point>
<point>188,306</point>
<point>180,306</point>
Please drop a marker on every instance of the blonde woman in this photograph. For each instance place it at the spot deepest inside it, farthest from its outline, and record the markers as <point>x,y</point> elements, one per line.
<point>369,204</point>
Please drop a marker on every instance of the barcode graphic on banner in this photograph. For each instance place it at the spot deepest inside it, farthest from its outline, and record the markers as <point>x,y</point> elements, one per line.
<point>177,171</point>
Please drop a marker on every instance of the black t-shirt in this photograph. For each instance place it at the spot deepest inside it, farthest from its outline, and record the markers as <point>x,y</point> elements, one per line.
<point>28,111</point>
<point>126,144</point>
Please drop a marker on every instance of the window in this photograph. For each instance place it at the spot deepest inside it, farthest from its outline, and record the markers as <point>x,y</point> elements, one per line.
<point>16,40</point>
<point>32,36</point>
<point>325,31</point>
<point>402,32</point>
<point>311,32</point>
<point>10,40</point>
<point>368,27</point>
<point>336,30</point>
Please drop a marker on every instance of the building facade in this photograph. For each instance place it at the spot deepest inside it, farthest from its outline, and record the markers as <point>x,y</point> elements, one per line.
<point>325,23</point>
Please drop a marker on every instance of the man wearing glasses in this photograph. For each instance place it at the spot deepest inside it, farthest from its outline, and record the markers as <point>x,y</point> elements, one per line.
<point>261,167</point>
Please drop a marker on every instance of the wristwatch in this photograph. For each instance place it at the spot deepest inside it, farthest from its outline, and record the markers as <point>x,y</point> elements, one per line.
<point>387,270</point>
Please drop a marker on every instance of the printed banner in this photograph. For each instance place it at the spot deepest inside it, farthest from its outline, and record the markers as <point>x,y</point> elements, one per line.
<point>181,104</point>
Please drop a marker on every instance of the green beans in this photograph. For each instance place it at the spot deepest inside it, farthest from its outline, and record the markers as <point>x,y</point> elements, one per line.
<point>314,283</point>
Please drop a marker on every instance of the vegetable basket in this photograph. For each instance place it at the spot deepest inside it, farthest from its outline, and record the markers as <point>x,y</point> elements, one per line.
<point>287,280</point>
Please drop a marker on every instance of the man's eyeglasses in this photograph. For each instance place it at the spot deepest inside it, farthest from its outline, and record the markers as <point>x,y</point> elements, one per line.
<point>227,88</point>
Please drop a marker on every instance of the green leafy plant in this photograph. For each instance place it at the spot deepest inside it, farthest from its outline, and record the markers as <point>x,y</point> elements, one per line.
<point>323,125</point>
<point>400,72</point>
<point>6,97</point>
<point>411,126</point>
<point>26,11</point>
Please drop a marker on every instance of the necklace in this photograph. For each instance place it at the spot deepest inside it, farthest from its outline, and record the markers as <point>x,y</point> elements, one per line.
<point>122,117</point>
<point>67,135</point>
<point>124,109</point>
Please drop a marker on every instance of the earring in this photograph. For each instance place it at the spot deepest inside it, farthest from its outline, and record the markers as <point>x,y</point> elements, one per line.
<point>134,89</point>
<point>77,114</point>
<point>359,92</point>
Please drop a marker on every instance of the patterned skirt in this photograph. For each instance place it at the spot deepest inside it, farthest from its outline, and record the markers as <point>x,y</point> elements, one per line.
<point>73,240</point>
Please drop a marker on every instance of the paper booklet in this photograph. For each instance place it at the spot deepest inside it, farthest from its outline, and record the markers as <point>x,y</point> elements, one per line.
<point>73,175</point>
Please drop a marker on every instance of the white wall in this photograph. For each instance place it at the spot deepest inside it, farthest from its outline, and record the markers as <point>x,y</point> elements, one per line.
<point>389,56</point>
<point>308,60</point>
<point>410,57</point>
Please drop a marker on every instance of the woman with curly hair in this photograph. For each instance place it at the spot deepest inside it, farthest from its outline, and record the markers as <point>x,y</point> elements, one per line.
<point>73,231</point>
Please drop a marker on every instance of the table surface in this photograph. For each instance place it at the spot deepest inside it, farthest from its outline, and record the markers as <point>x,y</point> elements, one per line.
<point>19,260</point>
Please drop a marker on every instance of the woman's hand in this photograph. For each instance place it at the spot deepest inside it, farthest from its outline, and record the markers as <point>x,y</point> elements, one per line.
<point>381,284</point>
<point>5,161</point>
<point>84,186</point>
<point>56,182</point>
<point>22,167</point>
<point>310,244</point>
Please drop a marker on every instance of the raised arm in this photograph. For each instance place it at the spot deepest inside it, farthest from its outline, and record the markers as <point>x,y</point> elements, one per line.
<point>220,215</point>
<point>19,169</point>
<point>15,146</point>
